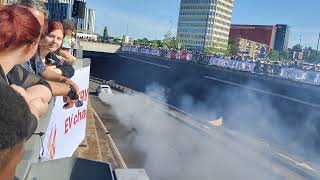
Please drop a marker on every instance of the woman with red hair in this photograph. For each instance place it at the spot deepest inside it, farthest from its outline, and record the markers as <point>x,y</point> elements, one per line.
<point>19,37</point>
<point>49,45</point>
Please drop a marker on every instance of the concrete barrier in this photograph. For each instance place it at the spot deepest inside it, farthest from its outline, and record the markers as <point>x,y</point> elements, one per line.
<point>99,47</point>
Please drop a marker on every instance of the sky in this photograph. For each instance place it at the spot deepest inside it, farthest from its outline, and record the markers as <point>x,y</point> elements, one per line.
<point>153,18</point>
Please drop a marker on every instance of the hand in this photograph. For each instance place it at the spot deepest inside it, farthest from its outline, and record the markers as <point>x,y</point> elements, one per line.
<point>74,86</point>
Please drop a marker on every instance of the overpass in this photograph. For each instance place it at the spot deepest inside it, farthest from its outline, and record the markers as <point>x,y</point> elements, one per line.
<point>98,47</point>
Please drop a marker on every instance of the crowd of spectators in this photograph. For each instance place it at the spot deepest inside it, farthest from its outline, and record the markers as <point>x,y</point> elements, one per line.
<point>295,70</point>
<point>35,66</point>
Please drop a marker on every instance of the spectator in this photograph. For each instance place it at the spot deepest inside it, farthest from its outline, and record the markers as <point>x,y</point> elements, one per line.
<point>69,41</point>
<point>61,86</point>
<point>16,126</point>
<point>19,37</point>
<point>51,43</point>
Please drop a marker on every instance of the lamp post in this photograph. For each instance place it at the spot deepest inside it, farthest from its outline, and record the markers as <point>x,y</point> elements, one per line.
<point>318,47</point>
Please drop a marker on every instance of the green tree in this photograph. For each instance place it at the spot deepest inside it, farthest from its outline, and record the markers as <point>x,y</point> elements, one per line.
<point>297,46</point>
<point>156,43</point>
<point>274,55</point>
<point>284,55</point>
<point>180,42</point>
<point>167,40</point>
<point>117,41</point>
<point>105,34</point>
<point>232,48</point>
<point>314,57</point>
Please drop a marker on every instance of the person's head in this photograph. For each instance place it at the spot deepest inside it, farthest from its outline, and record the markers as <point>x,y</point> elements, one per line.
<point>19,32</point>
<point>39,11</point>
<point>15,118</point>
<point>53,40</point>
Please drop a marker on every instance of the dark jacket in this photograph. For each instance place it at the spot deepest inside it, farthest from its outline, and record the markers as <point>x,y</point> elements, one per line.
<point>66,68</point>
<point>21,77</point>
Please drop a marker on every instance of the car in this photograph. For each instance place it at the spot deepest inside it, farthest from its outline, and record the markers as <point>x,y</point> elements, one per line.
<point>103,88</point>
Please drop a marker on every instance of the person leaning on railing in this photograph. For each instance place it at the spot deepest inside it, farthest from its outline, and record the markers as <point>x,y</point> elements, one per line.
<point>61,86</point>
<point>17,124</point>
<point>50,44</point>
<point>19,37</point>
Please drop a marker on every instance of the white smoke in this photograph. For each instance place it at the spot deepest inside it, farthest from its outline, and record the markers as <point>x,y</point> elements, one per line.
<point>176,150</point>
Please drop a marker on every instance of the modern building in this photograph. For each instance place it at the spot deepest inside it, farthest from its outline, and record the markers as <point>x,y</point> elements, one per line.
<point>89,22</point>
<point>63,9</point>
<point>281,37</point>
<point>274,36</point>
<point>59,9</point>
<point>257,33</point>
<point>205,23</point>
<point>299,54</point>
<point>250,48</point>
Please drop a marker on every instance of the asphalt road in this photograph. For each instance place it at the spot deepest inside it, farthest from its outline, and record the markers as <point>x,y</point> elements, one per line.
<point>284,112</point>
<point>170,145</point>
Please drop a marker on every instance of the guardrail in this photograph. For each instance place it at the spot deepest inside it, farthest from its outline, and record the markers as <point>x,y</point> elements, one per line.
<point>34,145</point>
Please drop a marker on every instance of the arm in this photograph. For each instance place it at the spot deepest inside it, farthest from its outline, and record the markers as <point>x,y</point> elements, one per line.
<point>35,86</point>
<point>60,84</point>
<point>67,56</point>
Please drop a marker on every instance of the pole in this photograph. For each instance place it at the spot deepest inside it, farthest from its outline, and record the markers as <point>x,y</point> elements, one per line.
<point>318,43</point>
<point>300,40</point>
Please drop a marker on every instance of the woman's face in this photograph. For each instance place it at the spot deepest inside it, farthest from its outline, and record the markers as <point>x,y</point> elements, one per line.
<point>52,41</point>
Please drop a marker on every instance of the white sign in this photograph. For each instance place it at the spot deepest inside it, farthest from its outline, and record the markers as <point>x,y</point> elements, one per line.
<point>67,127</point>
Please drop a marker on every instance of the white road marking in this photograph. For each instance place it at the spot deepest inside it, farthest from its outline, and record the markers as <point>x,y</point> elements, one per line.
<point>167,67</point>
<point>264,92</point>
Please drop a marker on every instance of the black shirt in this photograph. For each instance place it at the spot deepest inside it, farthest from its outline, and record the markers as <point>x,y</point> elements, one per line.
<point>32,120</point>
<point>66,68</point>
<point>22,77</point>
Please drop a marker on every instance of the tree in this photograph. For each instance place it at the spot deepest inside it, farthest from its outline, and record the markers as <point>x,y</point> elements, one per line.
<point>314,57</point>
<point>167,40</point>
<point>180,42</point>
<point>156,43</point>
<point>105,34</point>
<point>232,48</point>
<point>297,47</point>
<point>284,55</point>
<point>274,55</point>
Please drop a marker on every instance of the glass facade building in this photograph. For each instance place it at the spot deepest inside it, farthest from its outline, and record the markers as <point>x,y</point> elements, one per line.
<point>205,23</point>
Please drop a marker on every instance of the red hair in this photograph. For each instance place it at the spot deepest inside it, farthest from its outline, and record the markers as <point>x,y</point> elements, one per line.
<point>18,26</point>
<point>55,25</point>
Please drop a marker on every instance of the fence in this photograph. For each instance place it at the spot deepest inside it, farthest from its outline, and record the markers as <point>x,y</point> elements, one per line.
<point>295,74</point>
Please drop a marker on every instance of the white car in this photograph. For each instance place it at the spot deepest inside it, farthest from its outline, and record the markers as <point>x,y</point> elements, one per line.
<point>102,88</point>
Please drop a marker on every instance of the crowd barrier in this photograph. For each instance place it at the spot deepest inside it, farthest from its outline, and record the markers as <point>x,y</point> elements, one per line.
<point>62,130</point>
<point>295,74</point>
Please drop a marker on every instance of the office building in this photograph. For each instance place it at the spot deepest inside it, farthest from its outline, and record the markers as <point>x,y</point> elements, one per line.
<point>205,23</point>
<point>250,48</point>
<point>257,33</point>
<point>89,21</point>
<point>274,36</point>
<point>281,37</point>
